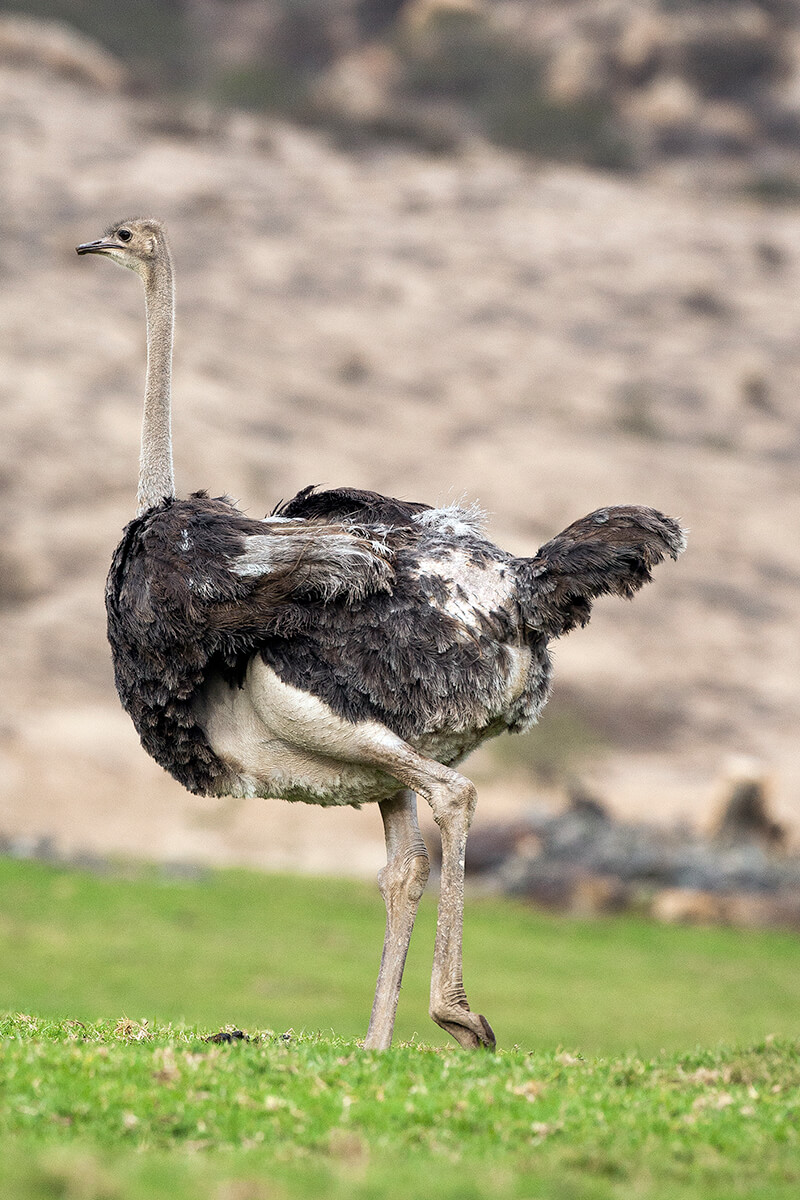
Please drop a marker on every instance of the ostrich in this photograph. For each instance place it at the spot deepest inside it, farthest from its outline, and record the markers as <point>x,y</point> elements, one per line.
<point>348,648</point>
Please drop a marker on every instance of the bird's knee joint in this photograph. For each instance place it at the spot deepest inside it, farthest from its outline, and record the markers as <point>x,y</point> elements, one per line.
<point>456,803</point>
<point>417,871</point>
<point>407,874</point>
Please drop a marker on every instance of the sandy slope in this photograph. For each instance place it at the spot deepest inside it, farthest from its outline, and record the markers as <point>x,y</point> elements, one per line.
<point>544,340</point>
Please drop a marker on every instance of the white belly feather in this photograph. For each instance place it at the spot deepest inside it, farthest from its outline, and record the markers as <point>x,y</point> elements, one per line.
<point>277,740</point>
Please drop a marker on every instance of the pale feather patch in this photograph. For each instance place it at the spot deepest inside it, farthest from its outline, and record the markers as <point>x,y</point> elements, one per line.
<point>326,563</point>
<point>453,520</point>
<point>473,591</point>
<point>202,587</point>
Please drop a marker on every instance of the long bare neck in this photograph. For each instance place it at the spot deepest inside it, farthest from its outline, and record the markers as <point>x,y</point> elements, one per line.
<point>156,477</point>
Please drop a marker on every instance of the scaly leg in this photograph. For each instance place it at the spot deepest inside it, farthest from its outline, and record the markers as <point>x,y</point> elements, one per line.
<point>449,1006</point>
<point>452,799</point>
<point>402,882</point>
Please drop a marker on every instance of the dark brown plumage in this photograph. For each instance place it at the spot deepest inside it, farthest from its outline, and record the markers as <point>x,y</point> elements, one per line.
<point>382,647</point>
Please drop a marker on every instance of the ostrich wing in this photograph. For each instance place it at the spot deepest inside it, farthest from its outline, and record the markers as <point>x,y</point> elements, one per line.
<point>351,504</point>
<point>190,567</point>
<point>609,552</point>
<point>195,586</point>
<point>316,558</point>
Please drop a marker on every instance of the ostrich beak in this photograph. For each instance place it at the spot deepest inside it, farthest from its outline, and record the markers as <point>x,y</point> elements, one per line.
<point>98,247</point>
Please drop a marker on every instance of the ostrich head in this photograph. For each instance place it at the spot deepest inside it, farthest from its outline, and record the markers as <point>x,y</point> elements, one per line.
<point>141,245</point>
<point>135,244</point>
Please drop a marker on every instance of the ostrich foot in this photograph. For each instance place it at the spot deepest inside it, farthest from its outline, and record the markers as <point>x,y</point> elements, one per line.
<point>471,1030</point>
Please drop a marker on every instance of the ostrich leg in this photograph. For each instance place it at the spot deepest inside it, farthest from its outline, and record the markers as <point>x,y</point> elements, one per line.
<point>449,1007</point>
<point>402,882</point>
<point>452,799</point>
<point>302,722</point>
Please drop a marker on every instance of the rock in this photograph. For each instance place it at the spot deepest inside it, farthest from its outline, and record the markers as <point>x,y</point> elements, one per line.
<point>594,895</point>
<point>744,910</point>
<point>686,906</point>
<point>581,860</point>
<point>489,846</point>
<point>727,128</point>
<point>359,85</point>
<point>549,884</point>
<point>665,113</point>
<point>747,910</point>
<point>728,51</point>
<point>582,801</point>
<point>420,15</point>
<point>578,71</point>
<point>742,811</point>
<point>638,50</point>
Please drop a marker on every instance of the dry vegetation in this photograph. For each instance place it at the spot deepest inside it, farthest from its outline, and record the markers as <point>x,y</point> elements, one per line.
<point>544,338</point>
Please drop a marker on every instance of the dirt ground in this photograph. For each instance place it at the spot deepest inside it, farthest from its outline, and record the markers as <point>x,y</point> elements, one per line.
<point>543,340</point>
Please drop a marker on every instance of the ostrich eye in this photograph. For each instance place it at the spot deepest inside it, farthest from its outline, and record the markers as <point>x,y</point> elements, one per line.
<point>124,235</point>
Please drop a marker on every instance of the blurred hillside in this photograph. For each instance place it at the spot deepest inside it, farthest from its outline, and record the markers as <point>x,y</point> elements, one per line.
<point>622,84</point>
<point>434,319</point>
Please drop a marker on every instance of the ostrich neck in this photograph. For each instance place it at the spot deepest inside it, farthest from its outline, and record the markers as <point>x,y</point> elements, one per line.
<point>156,478</point>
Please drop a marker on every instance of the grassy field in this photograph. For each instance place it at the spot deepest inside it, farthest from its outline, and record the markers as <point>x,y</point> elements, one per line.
<point>638,1060</point>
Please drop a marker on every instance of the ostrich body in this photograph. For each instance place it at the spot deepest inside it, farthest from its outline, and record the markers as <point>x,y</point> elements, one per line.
<point>349,648</point>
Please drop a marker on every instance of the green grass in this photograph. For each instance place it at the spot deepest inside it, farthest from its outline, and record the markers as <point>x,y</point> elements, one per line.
<point>164,1113</point>
<point>302,953</point>
<point>628,1077</point>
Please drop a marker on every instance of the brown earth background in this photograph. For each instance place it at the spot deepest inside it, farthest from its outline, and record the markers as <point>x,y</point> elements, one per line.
<point>376,288</point>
